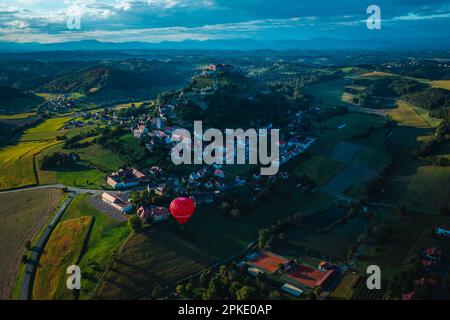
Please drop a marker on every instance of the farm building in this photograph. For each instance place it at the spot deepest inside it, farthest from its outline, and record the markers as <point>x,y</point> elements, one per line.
<point>116,202</point>
<point>154,214</point>
<point>291,271</point>
<point>126,178</point>
<point>310,277</point>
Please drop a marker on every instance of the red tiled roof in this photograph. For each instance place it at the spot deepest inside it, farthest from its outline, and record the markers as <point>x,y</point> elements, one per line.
<point>268,261</point>
<point>310,277</point>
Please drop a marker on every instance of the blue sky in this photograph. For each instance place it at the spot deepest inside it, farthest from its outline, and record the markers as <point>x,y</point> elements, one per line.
<point>178,20</point>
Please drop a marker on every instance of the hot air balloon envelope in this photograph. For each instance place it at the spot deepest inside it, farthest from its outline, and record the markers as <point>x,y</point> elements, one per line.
<point>182,209</point>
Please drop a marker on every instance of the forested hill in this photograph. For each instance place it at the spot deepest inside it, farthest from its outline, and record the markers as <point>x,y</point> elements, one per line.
<point>13,100</point>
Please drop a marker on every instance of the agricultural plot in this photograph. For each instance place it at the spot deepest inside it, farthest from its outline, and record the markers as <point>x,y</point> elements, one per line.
<point>344,291</point>
<point>420,187</point>
<point>329,217</point>
<point>337,166</point>
<point>350,175</point>
<point>48,130</point>
<point>22,215</point>
<point>17,164</point>
<point>150,259</point>
<point>318,167</point>
<point>95,162</point>
<point>63,249</point>
<point>334,243</point>
<point>405,115</point>
<point>104,240</point>
<point>329,92</point>
<point>349,126</point>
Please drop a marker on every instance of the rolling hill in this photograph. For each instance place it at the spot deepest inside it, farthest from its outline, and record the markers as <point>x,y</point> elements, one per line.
<point>117,79</point>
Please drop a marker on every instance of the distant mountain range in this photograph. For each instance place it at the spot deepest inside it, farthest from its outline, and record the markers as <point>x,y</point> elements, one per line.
<point>236,44</point>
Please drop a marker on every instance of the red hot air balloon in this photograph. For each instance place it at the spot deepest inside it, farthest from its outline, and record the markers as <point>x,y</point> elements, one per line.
<point>182,209</point>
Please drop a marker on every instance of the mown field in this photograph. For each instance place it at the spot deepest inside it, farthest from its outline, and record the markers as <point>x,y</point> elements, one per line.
<point>104,240</point>
<point>22,215</point>
<point>156,257</point>
<point>63,249</point>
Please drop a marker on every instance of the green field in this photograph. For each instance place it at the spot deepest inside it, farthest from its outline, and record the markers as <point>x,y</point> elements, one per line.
<point>95,163</point>
<point>338,166</point>
<point>329,92</point>
<point>104,239</point>
<point>318,167</point>
<point>22,215</point>
<point>334,243</point>
<point>421,187</point>
<point>17,163</point>
<point>47,130</point>
<point>17,116</point>
<point>64,248</point>
<point>348,126</point>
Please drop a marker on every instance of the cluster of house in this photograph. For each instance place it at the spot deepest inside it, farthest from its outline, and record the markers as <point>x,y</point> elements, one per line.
<point>60,103</point>
<point>143,126</point>
<point>432,259</point>
<point>296,276</point>
<point>153,214</point>
<point>294,147</point>
<point>208,177</point>
<point>77,124</point>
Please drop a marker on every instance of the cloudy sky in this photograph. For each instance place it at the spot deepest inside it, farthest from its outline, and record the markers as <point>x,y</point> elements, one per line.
<point>177,20</point>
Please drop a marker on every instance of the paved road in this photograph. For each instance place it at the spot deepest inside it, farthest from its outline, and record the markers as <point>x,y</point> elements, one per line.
<point>74,189</point>
<point>57,186</point>
<point>27,281</point>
